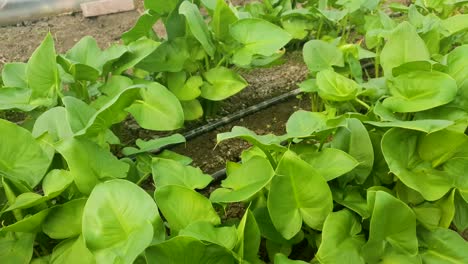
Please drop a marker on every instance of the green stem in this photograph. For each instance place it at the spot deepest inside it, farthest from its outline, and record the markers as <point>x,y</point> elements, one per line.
<point>312,102</point>
<point>142,179</point>
<point>36,252</point>
<point>319,30</point>
<point>44,249</point>
<point>207,63</point>
<point>407,116</point>
<point>11,197</point>
<point>377,61</point>
<point>221,62</point>
<point>362,103</point>
<point>322,142</point>
<point>344,31</point>
<point>268,154</point>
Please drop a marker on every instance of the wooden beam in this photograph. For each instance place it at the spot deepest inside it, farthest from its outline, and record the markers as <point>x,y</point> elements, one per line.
<point>105,7</point>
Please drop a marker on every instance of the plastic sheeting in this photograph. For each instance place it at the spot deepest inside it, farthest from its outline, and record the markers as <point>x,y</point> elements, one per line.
<point>13,11</point>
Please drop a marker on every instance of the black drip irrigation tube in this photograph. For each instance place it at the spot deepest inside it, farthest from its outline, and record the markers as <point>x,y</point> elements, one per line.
<point>240,114</point>
<point>221,174</point>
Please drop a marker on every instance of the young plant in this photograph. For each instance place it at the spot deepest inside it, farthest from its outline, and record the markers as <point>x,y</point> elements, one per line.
<point>196,60</point>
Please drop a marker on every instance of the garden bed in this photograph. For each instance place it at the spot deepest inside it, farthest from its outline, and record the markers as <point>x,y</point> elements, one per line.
<point>105,164</point>
<point>263,83</point>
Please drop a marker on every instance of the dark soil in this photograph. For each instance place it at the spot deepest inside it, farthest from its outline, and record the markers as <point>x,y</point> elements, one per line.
<point>19,42</point>
<point>210,158</point>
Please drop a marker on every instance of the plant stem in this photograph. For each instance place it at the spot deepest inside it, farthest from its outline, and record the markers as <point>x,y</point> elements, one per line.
<point>362,103</point>
<point>319,30</point>
<point>207,63</point>
<point>312,102</point>
<point>142,179</point>
<point>11,197</point>
<point>377,61</point>
<point>221,62</point>
<point>344,31</point>
<point>268,154</point>
<point>322,142</point>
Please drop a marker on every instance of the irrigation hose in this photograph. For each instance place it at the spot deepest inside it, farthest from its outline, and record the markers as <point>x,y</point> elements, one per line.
<point>240,114</point>
<point>221,174</point>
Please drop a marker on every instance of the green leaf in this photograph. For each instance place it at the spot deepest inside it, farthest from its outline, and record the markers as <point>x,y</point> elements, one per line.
<point>192,109</point>
<point>143,27</point>
<point>352,197</point>
<point>341,239</point>
<point>225,236</point>
<point>267,228</point>
<point>16,247</point>
<point>298,25</point>
<point>418,66</point>
<point>100,163</point>
<point>72,251</point>
<point>116,228</point>
<point>320,55</point>
<point>457,61</point>
<point>77,70</point>
<point>29,224</point>
<point>197,26</point>
<point>330,163</point>
<point>426,125</point>
<point>455,24</point>
<point>86,52</point>
<point>42,74</point>
<point>185,89</point>
<point>153,145</point>
<point>182,206</point>
<point>282,259</point>
<point>170,172</point>
<point>14,75</point>
<point>335,87</point>
<point>431,171</point>
<point>26,200</point>
<point>111,113</point>
<point>269,141</point>
<point>188,250</point>
<point>21,157</point>
<point>138,51</point>
<point>419,90</point>
<point>78,113</point>
<point>258,37</point>
<point>161,8</point>
<point>54,122</point>
<point>12,97</point>
<point>304,123</point>
<point>395,231</point>
<point>64,221</point>
<point>404,45</point>
<point>248,234</point>
<point>223,17</point>
<point>170,56</point>
<point>399,147</point>
<point>461,213</point>
<point>354,139</point>
<point>167,154</point>
<point>85,60</point>
<point>222,83</point>
<point>240,185</point>
<point>158,109</point>
<point>458,65</point>
<point>298,193</point>
<point>443,246</point>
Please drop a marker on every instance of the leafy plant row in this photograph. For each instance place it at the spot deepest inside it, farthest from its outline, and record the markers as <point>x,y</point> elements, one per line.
<point>376,173</point>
